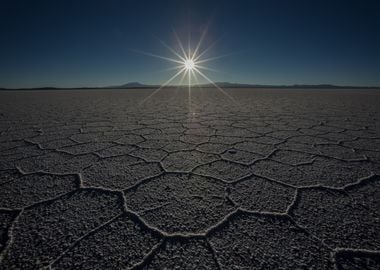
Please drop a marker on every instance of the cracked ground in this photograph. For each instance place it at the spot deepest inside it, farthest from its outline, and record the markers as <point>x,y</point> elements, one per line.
<point>273,179</point>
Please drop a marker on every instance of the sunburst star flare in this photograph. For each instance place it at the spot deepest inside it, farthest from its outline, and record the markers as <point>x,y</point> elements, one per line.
<point>188,63</point>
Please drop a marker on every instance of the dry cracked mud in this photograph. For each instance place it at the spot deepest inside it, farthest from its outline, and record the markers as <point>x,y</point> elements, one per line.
<point>258,179</point>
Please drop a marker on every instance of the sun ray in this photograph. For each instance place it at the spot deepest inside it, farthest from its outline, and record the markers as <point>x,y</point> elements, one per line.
<point>197,57</point>
<point>195,77</point>
<point>190,73</point>
<point>162,86</point>
<point>182,78</point>
<point>179,43</point>
<point>200,41</point>
<point>171,49</point>
<point>171,68</point>
<point>189,46</point>
<point>207,68</point>
<point>213,58</point>
<point>159,56</point>
<point>217,86</point>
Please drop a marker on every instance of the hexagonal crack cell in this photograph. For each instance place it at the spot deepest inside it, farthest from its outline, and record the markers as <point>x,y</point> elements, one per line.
<point>357,259</point>
<point>194,139</point>
<point>323,171</point>
<point>364,144</point>
<point>24,151</point>
<point>185,161</point>
<point>130,139</point>
<point>284,134</point>
<point>307,140</point>
<point>176,146</point>
<point>150,155</point>
<point>86,148</point>
<point>223,170</point>
<point>56,163</point>
<point>258,194</point>
<point>235,131</point>
<point>179,203</point>
<point>366,193</point>
<point>33,188</point>
<point>254,147</point>
<point>213,148</point>
<point>42,232</point>
<point>267,140</point>
<point>338,151</point>
<point>347,219</point>
<point>119,172</point>
<point>118,150</point>
<point>240,156</point>
<point>292,157</point>
<point>154,144</point>
<point>202,131</point>
<point>250,241</point>
<point>226,140</point>
<point>183,254</point>
<point>119,244</point>
<point>57,144</point>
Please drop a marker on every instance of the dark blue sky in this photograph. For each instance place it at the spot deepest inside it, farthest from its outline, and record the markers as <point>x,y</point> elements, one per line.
<point>89,43</point>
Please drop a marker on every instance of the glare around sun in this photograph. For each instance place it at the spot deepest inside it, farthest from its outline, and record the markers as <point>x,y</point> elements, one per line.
<point>189,64</point>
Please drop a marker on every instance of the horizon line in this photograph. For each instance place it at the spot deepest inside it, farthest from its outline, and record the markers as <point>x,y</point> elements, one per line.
<point>227,84</point>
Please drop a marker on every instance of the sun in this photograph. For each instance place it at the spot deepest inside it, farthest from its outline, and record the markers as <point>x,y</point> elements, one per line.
<point>189,64</point>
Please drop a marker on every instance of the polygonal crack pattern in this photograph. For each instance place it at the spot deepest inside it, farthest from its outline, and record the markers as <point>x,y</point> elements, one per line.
<point>179,203</point>
<point>346,218</point>
<point>258,194</point>
<point>35,242</point>
<point>322,171</point>
<point>119,244</point>
<point>118,172</point>
<point>253,241</point>
<point>274,179</point>
<point>185,161</point>
<point>223,170</point>
<point>32,188</point>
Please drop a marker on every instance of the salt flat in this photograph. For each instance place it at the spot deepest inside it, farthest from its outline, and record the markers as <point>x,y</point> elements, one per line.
<point>246,179</point>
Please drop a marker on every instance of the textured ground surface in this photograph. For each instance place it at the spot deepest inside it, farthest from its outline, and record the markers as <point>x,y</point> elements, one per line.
<point>266,179</point>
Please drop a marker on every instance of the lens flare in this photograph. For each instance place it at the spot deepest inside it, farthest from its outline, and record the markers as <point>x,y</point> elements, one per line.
<point>188,65</point>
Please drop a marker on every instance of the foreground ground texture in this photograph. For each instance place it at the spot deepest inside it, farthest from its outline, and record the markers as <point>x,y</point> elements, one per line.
<point>249,179</point>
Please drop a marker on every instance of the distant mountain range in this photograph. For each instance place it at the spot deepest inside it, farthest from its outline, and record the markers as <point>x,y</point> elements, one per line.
<point>137,85</point>
<point>130,85</point>
<point>237,85</point>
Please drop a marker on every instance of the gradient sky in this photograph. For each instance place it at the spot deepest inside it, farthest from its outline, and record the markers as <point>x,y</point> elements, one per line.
<point>71,43</point>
